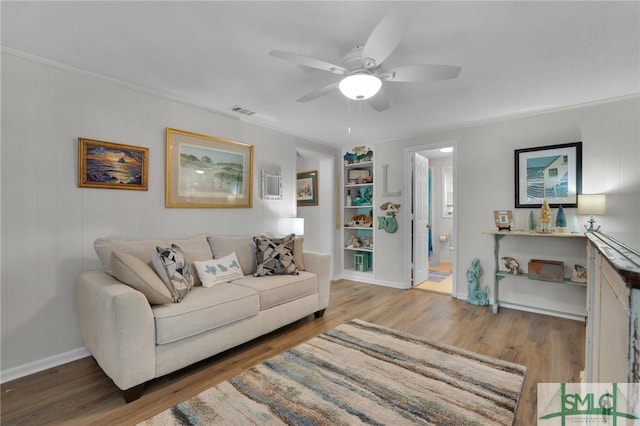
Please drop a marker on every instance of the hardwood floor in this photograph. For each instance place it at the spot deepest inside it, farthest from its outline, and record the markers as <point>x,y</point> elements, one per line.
<point>79,393</point>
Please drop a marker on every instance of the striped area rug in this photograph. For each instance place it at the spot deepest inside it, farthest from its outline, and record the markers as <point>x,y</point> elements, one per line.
<point>361,373</point>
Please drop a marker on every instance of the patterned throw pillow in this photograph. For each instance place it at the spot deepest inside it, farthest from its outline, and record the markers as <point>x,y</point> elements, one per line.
<point>275,256</point>
<point>217,271</point>
<point>173,269</point>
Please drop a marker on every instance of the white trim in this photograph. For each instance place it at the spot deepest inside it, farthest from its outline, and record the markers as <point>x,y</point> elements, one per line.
<point>578,316</point>
<point>366,280</point>
<point>43,364</point>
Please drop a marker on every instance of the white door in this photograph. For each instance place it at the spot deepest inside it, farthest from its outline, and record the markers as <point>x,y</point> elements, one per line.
<point>420,218</point>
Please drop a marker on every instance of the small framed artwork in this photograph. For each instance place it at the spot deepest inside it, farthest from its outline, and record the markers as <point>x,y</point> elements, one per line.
<point>552,173</point>
<point>307,188</point>
<point>112,165</point>
<point>207,171</point>
<point>503,219</point>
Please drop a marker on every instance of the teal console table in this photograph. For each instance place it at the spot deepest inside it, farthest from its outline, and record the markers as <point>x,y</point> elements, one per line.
<point>501,274</point>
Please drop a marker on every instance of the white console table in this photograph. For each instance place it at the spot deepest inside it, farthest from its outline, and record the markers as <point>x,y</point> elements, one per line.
<point>501,274</point>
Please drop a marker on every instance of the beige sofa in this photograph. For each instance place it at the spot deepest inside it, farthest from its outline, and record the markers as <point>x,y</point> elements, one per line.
<point>134,341</point>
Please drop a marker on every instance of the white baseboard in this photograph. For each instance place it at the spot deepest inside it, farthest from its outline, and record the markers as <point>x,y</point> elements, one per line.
<point>364,279</point>
<point>42,364</point>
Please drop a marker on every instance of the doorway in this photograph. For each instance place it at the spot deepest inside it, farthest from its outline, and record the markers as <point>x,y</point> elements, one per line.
<point>433,250</point>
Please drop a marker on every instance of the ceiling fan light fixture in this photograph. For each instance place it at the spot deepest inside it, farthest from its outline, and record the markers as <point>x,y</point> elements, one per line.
<point>360,86</point>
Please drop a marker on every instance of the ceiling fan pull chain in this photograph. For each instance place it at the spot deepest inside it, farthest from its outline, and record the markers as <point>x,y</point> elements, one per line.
<point>348,116</point>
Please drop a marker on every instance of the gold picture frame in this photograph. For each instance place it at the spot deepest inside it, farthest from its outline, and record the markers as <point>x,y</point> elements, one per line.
<point>207,172</point>
<point>110,165</point>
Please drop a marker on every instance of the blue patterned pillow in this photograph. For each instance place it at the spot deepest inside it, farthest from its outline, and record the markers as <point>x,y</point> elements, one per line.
<point>172,267</point>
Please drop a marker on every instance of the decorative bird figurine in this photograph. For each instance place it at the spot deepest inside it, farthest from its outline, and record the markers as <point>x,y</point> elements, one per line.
<point>512,265</point>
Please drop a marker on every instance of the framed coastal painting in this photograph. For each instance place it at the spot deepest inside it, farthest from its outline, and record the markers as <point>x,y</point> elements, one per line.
<point>207,171</point>
<point>552,173</point>
<point>112,165</point>
<point>307,189</point>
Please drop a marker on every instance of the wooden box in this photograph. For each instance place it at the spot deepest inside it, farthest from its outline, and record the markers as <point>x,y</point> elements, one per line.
<point>546,270</point>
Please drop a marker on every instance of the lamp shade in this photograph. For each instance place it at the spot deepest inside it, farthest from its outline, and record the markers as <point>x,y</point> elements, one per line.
<point>360,86</point>
<point>291,225</point>
<point>592,204</point>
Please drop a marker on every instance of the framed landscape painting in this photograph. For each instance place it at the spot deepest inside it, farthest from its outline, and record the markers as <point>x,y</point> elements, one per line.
<point>552,173</point>
<point>207,171</point>
<point>307,189</point>
<point>112,165</point>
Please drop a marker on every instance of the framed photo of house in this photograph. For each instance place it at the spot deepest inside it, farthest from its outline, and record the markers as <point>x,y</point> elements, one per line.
<point>207,171</point>
<point>112,165</point>
<point>552,173</point>
<point>307,189</point>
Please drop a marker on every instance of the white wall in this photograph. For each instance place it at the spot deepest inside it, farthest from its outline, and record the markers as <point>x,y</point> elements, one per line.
<point>319,220</point>
<point>49,224</point>
<point>610,132</point>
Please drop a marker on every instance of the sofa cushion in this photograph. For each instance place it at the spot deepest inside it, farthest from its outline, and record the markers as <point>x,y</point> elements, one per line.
<point>274,256</point>
<point>298,250</point>
<point>278,289</point>
<point>218,271</point>
<point>173,268</point>
<point>143,250</point>
<point>244,247</point>
<point>195,249</point>
<point>204,309</point>
<point>137,274</point>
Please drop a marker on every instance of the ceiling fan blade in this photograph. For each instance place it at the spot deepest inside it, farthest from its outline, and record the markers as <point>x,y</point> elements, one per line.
<point>308,61</point>
<point>385,38</point>
<point>380,101</point>
<point>421,73</point>
<point>319,92</point>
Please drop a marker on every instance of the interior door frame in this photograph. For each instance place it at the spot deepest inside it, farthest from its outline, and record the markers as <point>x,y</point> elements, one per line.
<point>407,201</point>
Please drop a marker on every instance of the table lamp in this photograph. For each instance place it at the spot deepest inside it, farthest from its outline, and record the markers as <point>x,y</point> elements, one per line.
<point>291,225</point>
<point>592,204</point>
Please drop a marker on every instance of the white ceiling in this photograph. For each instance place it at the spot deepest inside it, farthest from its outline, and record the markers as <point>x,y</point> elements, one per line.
<point>516,57</point>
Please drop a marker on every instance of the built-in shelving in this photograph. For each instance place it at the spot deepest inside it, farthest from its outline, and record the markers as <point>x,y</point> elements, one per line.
<point>357,180</point>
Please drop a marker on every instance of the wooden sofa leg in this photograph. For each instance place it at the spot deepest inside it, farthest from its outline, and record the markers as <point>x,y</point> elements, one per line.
<point>133,393</point>
<point>319,314</point>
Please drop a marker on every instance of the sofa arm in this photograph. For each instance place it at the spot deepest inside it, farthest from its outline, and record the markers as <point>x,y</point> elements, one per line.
<point>319,264</point>
<point>117,327</point>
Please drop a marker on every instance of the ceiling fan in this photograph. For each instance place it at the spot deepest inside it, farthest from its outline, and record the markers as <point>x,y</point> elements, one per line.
<point>362,70</point>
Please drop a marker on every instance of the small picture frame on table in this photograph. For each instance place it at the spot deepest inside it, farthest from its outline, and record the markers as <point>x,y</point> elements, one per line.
<point>503,219</point>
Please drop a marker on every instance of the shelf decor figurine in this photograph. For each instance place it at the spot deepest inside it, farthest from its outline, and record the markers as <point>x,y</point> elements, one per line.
<point>389,222</point>
<point>561,220</point>
<point>532,221</point>
<point>512,265</point>
<point>579,274</point>
<point>475,296</point>
<point>545,219</point>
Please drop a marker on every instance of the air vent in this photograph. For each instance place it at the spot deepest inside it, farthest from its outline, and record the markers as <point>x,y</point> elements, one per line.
<point>242,110</point>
